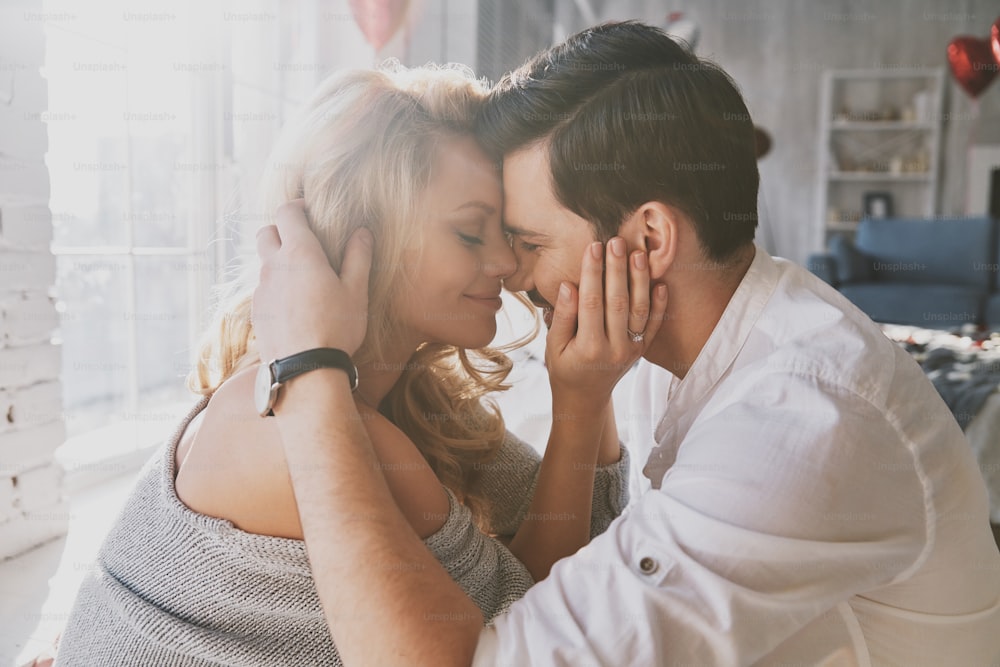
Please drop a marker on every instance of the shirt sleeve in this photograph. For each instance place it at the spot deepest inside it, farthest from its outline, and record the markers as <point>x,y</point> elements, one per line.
<point>774,514</point>
<point>509,481</point>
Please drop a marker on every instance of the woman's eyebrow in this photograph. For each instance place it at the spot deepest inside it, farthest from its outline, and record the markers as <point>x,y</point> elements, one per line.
<point>486,208</point>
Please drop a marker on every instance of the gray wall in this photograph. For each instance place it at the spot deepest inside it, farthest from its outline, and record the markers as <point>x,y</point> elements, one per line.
<point>776,49</point>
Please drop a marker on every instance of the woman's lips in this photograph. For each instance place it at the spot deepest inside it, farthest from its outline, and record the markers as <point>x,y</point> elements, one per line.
<point>494,302</point>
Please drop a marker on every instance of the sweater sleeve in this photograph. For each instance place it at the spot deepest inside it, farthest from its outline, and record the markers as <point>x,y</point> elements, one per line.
<point>509,480</point>
<point>483,567</point>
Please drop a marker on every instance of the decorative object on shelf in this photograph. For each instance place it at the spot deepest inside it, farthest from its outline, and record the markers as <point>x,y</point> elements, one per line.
<point>878,205</point>
<point>918,164</point>
<point>886,114</point>
<point>922,109</point>
<point>859,156</point>
<point>379,19</point>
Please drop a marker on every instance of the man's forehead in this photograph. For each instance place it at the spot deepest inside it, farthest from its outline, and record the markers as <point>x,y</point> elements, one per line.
<point>527,163</point>
<point>527,196</point>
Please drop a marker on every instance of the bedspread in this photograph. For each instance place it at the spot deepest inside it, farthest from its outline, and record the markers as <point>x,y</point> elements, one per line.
<point>965,369</point>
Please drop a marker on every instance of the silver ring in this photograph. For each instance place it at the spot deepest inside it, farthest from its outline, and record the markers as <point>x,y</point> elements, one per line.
<point>636,337</point>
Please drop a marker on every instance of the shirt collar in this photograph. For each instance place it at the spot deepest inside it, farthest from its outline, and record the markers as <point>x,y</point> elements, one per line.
<point>722,347</point>
<point>731,332</point>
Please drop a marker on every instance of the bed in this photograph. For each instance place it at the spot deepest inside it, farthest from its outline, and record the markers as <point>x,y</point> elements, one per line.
<point>964,367</point>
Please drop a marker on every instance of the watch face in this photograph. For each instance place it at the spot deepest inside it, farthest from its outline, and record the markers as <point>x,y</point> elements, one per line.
<point>264,390</point>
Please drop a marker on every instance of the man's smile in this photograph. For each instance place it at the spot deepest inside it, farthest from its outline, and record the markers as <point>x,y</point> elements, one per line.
<point>546,307</point>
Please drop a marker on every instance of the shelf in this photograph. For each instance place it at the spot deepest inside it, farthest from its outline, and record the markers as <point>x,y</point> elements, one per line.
<point>881,125</point>
<point>884,119</point>
<point>875,176</point>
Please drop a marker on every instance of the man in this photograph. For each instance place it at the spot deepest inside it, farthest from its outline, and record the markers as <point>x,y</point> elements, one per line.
<point>813,501</point>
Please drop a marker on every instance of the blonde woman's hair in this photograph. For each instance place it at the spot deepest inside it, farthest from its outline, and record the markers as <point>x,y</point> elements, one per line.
<point>360,154</point>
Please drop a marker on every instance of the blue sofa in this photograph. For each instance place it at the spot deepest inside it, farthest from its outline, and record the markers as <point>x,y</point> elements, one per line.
<point>939,273</point>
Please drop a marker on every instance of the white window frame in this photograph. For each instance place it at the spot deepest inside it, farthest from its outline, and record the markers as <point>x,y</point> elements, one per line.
<point>101,453</point>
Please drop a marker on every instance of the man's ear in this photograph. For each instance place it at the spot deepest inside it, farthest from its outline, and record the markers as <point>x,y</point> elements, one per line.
<point>654,228</point>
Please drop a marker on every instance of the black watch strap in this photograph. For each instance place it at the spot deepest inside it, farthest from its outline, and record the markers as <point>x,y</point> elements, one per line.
<point>285,369</point>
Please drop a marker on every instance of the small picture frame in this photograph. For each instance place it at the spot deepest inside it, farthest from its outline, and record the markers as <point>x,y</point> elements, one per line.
<point>877,205</point>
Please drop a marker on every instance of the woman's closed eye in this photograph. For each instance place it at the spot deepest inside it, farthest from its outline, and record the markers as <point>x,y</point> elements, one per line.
<point>528,247</point>
<point>468,239</point>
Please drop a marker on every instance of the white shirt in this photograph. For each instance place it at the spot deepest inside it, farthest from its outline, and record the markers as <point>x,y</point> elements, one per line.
<point>812,502</point>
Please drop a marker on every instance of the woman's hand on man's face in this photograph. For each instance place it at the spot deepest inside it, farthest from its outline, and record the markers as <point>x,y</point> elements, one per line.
<point>590,345</point>
<point>301,303</point>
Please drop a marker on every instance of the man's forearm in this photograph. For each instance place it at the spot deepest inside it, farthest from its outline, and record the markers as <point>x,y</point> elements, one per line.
<point>362,551</point>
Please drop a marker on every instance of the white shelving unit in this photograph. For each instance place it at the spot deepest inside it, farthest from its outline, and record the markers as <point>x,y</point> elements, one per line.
<point>879,133</point>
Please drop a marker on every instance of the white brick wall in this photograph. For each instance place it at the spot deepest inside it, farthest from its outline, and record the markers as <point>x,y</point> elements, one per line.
<point>21,365</point>
<point>27,317</point>
<point>7,509</point>
<point>26,226</point>
<point>32,509</point>
<point>28,448</point>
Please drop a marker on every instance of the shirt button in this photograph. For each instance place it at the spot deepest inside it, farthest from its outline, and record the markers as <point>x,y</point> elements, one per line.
<point>648,565</point>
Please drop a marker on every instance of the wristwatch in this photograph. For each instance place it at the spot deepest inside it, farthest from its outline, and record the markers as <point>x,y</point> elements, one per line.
<point>271,376</point>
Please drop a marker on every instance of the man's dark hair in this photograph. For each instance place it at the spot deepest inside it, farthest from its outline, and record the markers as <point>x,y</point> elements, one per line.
<point>632,116</point>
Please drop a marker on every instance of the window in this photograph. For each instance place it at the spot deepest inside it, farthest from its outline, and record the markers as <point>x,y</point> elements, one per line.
<point>161,119</point>
<point>509,33</point>
<point>135,161</point>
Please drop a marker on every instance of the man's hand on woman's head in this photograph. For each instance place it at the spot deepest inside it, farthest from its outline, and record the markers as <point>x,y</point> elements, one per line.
<point>301,303</point>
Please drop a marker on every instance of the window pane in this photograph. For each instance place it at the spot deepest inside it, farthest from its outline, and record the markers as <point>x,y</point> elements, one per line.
<point>162,327</point>
<point>160,79</point>
<point>160,196</point>
<point>94,328</point>
<point>88,149</point>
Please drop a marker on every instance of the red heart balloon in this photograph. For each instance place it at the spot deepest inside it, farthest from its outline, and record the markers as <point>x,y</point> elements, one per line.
<point>972,63</point>
<point>995,40</point>
<point>379,19</point>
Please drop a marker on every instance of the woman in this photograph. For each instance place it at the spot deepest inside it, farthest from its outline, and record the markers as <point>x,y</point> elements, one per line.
<point>206,563</point>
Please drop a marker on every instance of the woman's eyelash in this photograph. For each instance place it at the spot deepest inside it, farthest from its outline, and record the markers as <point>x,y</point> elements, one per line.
<point>529,247</point>
<point>471,240</point>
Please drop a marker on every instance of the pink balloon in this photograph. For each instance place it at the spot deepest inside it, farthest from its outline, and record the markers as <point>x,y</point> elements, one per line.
<point>379,19</point>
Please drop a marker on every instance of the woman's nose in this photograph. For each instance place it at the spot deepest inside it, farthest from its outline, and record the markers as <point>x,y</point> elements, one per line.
<point>502,263</point>
<point>518,280</point>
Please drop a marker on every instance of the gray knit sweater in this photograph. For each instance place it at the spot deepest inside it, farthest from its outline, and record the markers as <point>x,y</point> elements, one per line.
<point>172,587</point>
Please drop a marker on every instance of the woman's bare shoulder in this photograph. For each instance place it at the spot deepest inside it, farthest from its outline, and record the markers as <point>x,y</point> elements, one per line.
<point>413,484</point>
<point>233,467</point>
